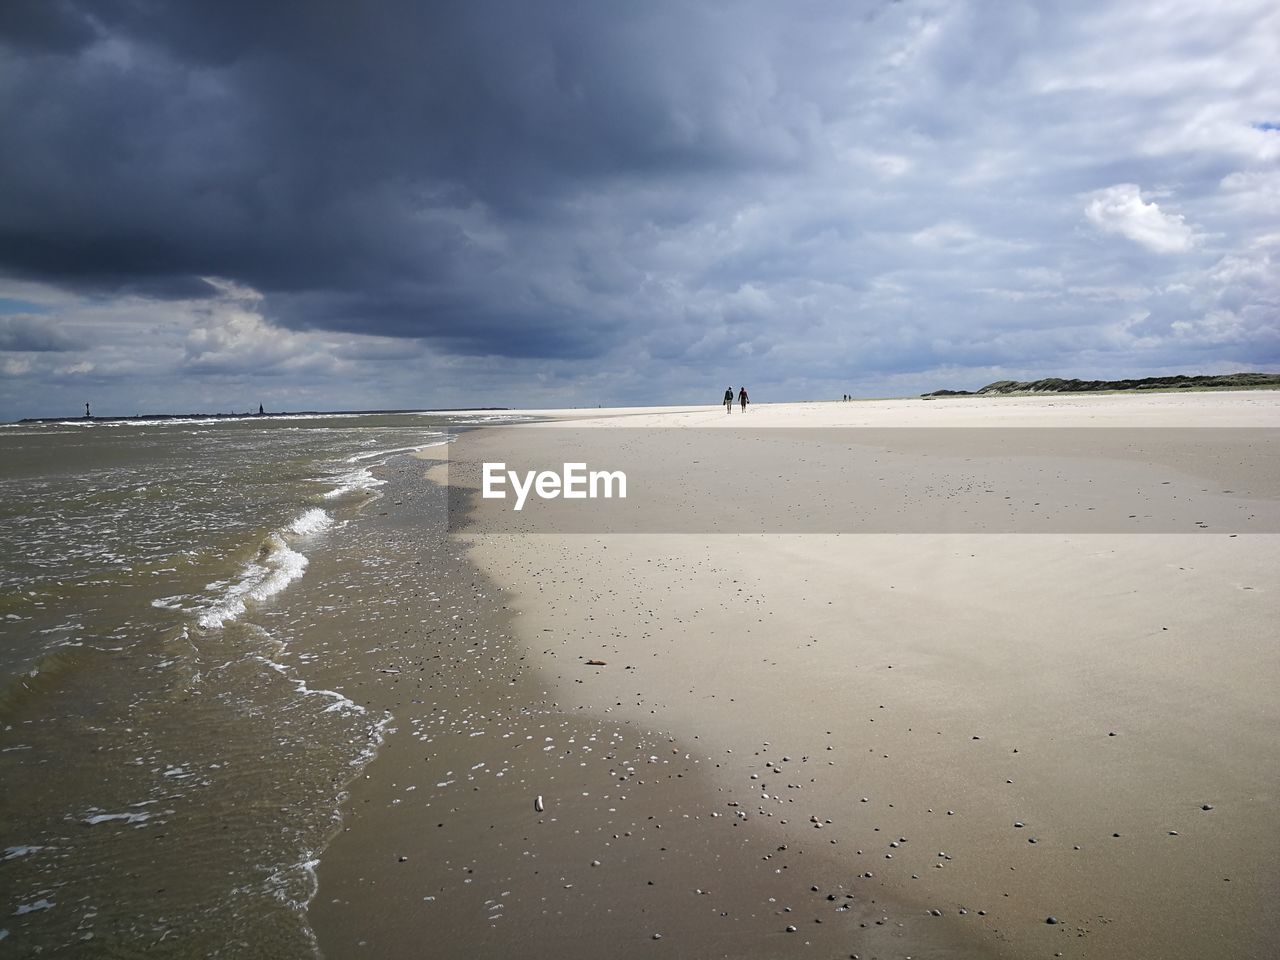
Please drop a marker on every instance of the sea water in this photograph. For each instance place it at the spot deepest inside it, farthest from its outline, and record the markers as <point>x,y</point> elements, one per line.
<point>166,780</point>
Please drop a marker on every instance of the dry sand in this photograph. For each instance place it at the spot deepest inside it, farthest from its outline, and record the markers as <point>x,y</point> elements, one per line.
<point>1042,717</point>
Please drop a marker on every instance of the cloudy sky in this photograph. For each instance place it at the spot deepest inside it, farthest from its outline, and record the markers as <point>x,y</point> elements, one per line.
<point>325,204</point>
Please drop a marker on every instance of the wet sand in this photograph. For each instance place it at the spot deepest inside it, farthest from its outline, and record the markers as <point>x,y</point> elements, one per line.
<point>997,729</point>
<point>640,848</point>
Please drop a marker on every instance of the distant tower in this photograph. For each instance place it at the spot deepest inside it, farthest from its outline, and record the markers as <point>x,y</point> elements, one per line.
<point>86,409</point>
<point>260,410</point>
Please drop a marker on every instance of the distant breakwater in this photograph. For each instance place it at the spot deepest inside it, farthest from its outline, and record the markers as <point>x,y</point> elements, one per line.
<point>150,417</point>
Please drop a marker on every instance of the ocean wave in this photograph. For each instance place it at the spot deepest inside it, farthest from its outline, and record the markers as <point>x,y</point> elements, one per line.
<point>437,440</point>
<point>128,818</point>
<point>276,566</point>
<point>313,521</point>
<point>352,481</point>
<point>360,477</point>
<point>496,418</point>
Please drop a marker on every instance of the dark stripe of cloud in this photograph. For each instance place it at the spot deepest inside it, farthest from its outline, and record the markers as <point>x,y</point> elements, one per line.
<point>317,152</point>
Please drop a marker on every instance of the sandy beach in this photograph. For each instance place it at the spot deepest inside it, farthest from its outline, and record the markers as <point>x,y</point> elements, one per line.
<point>917,743</point>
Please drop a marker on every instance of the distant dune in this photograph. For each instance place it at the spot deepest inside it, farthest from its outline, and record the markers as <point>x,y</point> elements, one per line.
<point>1058,385</point>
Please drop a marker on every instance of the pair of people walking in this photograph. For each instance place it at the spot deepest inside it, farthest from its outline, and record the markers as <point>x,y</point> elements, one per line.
<point>742,399</point>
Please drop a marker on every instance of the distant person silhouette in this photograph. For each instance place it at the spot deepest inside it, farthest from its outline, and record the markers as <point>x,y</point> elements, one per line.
<point>742,398</point>
<point>728,400</point>
<point>86,410</point>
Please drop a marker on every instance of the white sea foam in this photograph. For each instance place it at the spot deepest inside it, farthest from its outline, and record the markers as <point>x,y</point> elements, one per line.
<point>353,480</point>
<point>41,904</point>
<point>12,853</point>
<point>275,568</point>
<point>376,454</point>
<point>361,477</point>
<point>313,521</point>
<point>496,418</point>
<point>98,818</point>
<point>340,701</point>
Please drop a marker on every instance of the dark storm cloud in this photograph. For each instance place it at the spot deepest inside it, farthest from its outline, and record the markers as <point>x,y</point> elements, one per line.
<point>20,333</point>
<point>318,151</point>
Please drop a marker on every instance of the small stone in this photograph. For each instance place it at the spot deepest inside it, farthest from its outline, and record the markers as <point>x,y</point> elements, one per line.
<point>1206,806</point>
<point>1019,824</point>
<point>791,928</point>
<point>595,863</point>
<point>657,936</point>
<point>935,913</point>
<point>403,859</point>
<point>1050,920</point>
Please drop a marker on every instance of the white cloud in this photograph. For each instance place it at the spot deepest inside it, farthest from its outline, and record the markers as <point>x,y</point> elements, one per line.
<point>15,366</point>
<point>943,236</point>
<point>1253,191</point>
<point>1121,209</point>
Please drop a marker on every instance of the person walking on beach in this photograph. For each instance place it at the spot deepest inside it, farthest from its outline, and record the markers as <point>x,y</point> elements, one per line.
<point>742,398</point>
<point>728,400</point>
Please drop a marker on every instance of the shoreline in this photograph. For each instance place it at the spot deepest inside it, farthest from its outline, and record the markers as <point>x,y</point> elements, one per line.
<point>441,846</point>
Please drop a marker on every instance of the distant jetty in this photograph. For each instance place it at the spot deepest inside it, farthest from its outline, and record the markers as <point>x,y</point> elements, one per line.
<point>161,417</point>
<point>1229,381</point>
